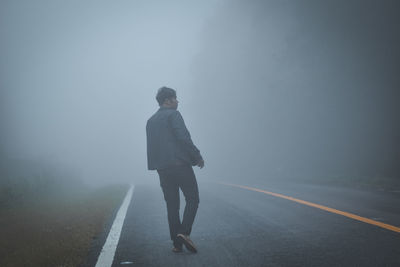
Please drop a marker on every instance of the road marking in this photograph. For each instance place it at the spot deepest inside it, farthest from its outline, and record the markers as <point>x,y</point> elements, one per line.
<point>343,213</point>
<point>107,253</point>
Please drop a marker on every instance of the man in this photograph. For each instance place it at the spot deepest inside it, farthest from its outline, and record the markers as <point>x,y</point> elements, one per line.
<point>171,152</point>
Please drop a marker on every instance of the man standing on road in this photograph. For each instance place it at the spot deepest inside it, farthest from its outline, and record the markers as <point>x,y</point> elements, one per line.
<point>171,152</point>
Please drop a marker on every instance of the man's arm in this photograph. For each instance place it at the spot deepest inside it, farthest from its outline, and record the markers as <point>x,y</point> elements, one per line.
<point>183,136</point>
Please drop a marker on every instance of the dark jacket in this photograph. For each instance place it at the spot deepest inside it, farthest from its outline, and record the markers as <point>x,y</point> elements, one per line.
<point>168,141</point>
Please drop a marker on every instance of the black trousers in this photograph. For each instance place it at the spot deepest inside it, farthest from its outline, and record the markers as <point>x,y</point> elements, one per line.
<point>171,179</point>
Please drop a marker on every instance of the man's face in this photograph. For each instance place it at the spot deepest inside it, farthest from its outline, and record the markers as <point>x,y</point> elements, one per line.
<point>171,102</point>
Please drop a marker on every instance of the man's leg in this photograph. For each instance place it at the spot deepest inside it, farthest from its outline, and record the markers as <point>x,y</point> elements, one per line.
<point>188,184</point>
<point>171,195</point>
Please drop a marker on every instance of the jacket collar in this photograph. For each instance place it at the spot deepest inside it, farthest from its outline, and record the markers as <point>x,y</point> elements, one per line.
<point>164,108</point>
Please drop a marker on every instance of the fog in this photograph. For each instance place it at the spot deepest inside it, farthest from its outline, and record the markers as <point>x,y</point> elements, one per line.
<point>266,88</point>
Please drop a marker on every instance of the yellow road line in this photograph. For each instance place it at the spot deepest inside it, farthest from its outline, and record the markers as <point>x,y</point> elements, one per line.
<point>343,213</point>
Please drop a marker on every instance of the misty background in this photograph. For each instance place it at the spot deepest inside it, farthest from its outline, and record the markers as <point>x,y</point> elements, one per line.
<point>266,88</point>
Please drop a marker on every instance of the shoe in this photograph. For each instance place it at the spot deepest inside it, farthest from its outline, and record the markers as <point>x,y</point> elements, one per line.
<point>176,250</point>
<point>188,243</point>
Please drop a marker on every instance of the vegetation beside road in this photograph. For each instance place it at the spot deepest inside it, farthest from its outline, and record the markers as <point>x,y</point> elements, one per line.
<point>382,183</point>
<point>54,229</point>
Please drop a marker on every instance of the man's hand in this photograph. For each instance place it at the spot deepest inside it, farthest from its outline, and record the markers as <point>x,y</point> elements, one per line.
<point>201,163</point>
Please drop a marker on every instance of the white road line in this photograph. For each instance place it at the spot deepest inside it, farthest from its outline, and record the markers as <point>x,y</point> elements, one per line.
<point>107,253</point>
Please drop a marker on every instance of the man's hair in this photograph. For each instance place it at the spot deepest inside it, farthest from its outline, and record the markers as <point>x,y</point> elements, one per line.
<point>164,93</point>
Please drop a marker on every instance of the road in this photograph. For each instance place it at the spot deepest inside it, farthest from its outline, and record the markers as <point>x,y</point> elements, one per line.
<point>241,227</point>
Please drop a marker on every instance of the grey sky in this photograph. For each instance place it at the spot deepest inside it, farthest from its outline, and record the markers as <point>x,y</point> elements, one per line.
<point>265,87</point>
<point>302,88</point>
<point>79,77</point>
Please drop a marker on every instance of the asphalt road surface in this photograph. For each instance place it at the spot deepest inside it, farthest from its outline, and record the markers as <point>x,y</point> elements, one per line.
<point>241,227</point>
